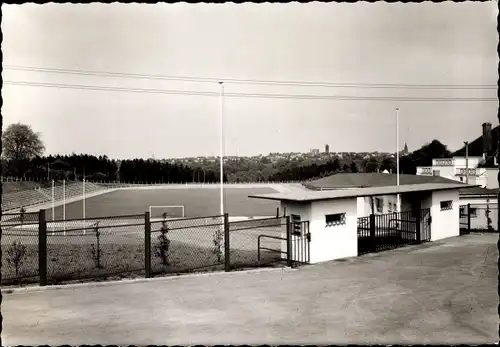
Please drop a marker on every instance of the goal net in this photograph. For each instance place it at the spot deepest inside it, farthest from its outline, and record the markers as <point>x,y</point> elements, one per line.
<point>157,213</point>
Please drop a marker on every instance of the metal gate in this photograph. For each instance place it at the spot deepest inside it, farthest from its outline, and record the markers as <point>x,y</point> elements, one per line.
<point>300,243</point>
<point>295,244</point>
<point>393,230</point>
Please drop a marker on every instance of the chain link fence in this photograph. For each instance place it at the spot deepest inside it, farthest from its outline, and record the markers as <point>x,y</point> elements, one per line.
<point>19,247</point>
<point>94,248</point>
<point>258,242</point>
<point>187,245</point>
<point>51,252</point>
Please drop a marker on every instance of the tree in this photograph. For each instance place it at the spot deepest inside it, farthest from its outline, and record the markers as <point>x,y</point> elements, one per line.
<point>20,142</point>
<point>424,155</point>
<point>407,165</point>
<point>388,164</point>
<point>353,167</point>
<point>371,165</point>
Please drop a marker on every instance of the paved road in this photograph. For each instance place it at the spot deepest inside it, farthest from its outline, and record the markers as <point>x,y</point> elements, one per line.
<point>445,292</point>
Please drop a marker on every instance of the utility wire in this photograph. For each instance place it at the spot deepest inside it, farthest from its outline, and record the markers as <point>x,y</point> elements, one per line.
<point>241,95</point>
<point>246,81</point>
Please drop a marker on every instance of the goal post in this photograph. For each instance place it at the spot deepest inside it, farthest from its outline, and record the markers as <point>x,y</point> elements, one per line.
<point>172,211</point>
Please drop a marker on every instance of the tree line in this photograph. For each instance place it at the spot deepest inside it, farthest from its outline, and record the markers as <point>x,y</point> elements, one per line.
<point>23,149</point>
<point>103,169</point>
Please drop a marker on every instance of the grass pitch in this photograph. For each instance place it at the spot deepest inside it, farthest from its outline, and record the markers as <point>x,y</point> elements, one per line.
<point>198,202</point>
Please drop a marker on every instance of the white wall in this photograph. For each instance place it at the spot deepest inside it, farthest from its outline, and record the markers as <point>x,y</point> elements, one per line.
<point>476,200</point>
<point>473,161</point>
<point>491,178</point>
<point>333,242</point>
<point>299,208</point>
<point>480,219</point>
<point>364,206</point>
<point>446,172</point>
<point>445,223</point>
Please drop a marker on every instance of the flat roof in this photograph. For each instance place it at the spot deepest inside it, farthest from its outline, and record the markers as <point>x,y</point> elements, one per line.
<point>313,195</point>
<point>478,191</point>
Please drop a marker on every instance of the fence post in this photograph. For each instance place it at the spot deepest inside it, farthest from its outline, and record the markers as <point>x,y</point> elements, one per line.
<point>227,247</point>
<point>418,217</point>
<point>468,218</point>
<point>373,244</point>
<point>42,248</point>
<point>147,244</point>
<point>288,242</point>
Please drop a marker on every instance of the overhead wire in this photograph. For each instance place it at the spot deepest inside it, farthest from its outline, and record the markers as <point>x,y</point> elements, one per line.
<point>243,95</point>
<point>246,81</point>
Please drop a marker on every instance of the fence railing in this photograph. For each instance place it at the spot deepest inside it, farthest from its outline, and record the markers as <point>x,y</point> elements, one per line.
<point>378,232</point>
<point>479,218</point>
<point>37,250</point>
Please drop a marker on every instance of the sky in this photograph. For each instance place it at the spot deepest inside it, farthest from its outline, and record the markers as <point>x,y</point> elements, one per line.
<point>360,44</point>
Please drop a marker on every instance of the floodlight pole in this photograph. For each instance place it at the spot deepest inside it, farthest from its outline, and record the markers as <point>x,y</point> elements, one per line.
<point>83,199</point>
<point>221,148</point>
<point>64,206</point>
<point>398,201</point>
<point>466,162</point>
<point>53,202</point>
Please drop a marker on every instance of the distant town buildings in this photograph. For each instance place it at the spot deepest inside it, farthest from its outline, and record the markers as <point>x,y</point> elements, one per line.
<point>314,151</point>
<point>327,149</point>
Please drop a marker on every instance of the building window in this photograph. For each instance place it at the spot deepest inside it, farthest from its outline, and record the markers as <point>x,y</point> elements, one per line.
<point>436,172</point>
<point>296,224</point>
<point>463,212</point>
<point>335,219</point>
<point>461,179</point>
<point>473,212</point>
<point>390,207</point>
<point>379,205</point>
<point>446,205</point>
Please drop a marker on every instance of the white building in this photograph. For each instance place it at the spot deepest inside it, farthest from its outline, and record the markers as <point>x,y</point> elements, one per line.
<point>477,202</point>
<point>481,168</point>
<point>367,205</point>
<point>333,230</point>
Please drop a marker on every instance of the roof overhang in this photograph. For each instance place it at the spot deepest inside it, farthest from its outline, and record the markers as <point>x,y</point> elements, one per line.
<point>315,195</point>
<point>478,195</point>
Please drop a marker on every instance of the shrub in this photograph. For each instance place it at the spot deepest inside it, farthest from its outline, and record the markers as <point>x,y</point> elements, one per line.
<point>161,249</point>
<point>96,249</point>
<point>15,255</point>
<point>218,243</point>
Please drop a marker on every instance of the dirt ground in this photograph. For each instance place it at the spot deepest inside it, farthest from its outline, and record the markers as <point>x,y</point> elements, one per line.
<point>437,293</point>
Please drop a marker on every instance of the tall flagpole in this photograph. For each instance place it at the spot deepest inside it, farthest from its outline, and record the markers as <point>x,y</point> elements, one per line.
<point>221,148</point>
<point>84,198</point>
<point>83,204</point>
<point>64,206</point>
<point>53,200</point>
<point>398,202</point>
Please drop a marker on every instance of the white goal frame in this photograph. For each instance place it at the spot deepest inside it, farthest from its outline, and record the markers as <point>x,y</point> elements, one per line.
<point>167,206</point>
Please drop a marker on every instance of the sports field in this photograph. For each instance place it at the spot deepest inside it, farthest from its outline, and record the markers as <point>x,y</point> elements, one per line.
<point>198,202</point>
